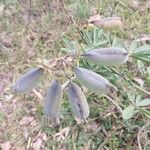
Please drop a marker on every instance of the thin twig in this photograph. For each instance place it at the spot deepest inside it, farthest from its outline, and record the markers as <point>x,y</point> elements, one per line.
<point>141,89</point>
<point>48,6</point>
<point>29,11</point>
<point>71,18</point>
<point>145,112</point>
<point>67,82</point>
<point>28,143</point>
<point>133,84</point>
<point>126,5</point>
<point>119,108</point>
<point>138,136</point>
<point>38,94</point>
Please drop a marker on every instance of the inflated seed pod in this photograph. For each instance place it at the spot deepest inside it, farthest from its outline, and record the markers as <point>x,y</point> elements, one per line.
<point>108,23</point>
<point>78,101</point>
<point>107,56</point>
<point>93,81</point>
<point>28,81</point>
<point>53,100</point>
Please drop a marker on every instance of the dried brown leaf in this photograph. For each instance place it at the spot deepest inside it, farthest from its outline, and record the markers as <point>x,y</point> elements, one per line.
<point>26,120</point>
<point>139,81</point>
<point>62,134</point>
<point>94,18</point>
<point>37,144</point>
<point>26,134</point>
<point>143,39</point>
<point>5,146</point>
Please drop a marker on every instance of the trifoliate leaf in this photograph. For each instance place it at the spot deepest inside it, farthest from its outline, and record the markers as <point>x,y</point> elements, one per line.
<point>128,112</point>
<point>144,102</point>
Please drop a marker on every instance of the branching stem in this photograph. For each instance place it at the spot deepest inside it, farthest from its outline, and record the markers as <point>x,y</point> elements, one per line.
<point>111,100</point>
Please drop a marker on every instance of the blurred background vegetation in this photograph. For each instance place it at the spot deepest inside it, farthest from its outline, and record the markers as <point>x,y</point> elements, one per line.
<point>32,31</point>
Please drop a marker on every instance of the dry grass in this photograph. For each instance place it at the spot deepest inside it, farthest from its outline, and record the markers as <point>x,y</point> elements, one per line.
<point>33,30</point>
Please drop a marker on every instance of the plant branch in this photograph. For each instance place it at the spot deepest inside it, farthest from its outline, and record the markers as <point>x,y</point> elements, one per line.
<point>139,133</point>
<point>71,19</point>
<point>133,84</point>
<point>109,136</point>
<point>111,100</point>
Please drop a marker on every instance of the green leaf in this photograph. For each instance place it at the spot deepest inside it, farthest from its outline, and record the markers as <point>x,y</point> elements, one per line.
<point>94,38</point>
<point>66,50</point>
<point>141,67</point>
<point>87,38</point>
<point>133,46</point>
<point>70,46</point>
<point>10,2</point>
<point>148,70</point>
<point>99,33</point>
<point>132,97</point>
<point>128,112</point>
<point>115,41</point>
<point>144,102</point>
<point>94,35</point>
<point>138,99</point>
<point>99,43</point>
<point>145,47</point>
<point>142,53</point>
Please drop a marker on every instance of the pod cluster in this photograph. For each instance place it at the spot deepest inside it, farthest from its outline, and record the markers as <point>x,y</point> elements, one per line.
<point>77,100</point>
<point>91,80</point>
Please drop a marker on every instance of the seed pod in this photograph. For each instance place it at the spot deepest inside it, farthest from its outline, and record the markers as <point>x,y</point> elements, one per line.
<point>107,56</point>
<point>78,101</point>
<point>28,81</point>
<point>53,100</point>
<point>108,23</point>
<point>93,81</point>
<point>94,18</point>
